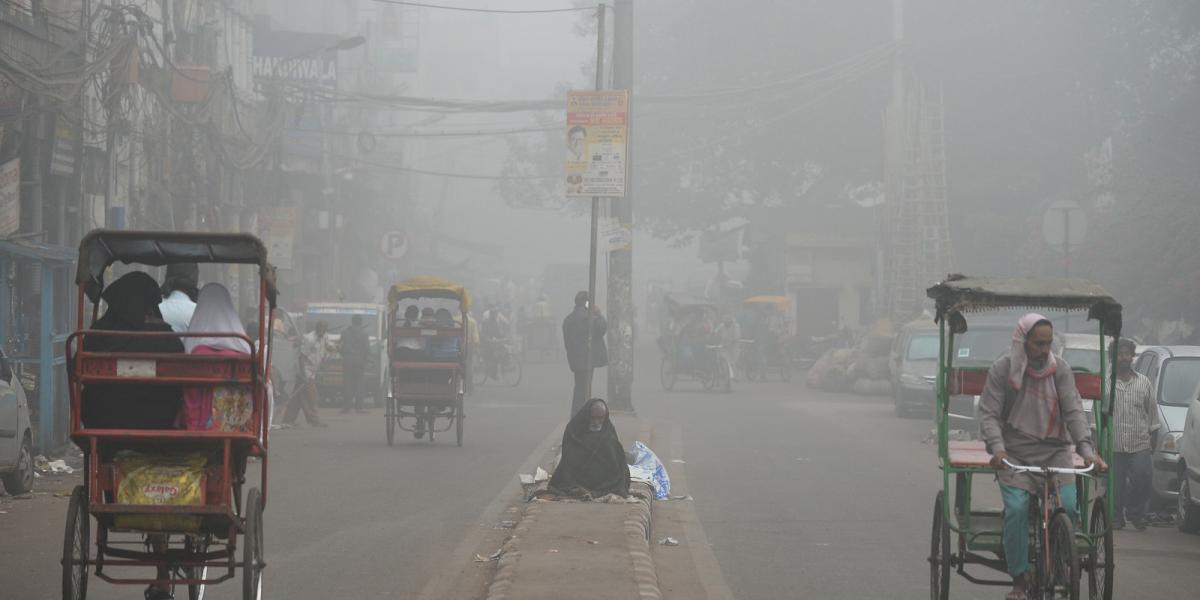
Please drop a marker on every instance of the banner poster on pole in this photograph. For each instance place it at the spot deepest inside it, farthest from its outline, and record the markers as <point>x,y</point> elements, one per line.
<point>597,134</point>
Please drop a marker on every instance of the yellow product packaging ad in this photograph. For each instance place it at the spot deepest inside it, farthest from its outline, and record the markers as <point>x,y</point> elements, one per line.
<point>156,480</point>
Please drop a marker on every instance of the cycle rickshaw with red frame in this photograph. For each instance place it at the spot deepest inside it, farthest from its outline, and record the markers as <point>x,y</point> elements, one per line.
<point>186,540</point>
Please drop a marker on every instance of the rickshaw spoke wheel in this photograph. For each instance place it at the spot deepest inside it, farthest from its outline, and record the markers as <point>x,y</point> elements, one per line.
<point>196,546</point>
<point>1100,569</point>
<point>939,552</point>
<point>1064,558</point>
<point>666,374</point>
<point>458,422</point>
<point>390,417</point>
<point>252,547</point>
<point>76,543</point>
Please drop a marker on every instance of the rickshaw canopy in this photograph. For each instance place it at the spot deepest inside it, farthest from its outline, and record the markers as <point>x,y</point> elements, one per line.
<point>100,248</point>
<point>677,303</point>
<point>959,294</point>
<point>781,303</point>
<point>429,287</point>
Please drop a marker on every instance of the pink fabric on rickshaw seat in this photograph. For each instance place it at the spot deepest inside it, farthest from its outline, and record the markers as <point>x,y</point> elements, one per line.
<point>218,407</point>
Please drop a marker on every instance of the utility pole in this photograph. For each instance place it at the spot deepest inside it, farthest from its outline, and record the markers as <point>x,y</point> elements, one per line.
<point>620,261</point>
<point>600,11</point>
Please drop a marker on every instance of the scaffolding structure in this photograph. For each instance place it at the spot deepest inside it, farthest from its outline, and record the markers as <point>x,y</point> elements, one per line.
<point>916,239</point>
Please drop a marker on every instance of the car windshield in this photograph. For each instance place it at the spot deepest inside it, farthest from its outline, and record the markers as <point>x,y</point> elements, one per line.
<point>1082,359</point>
<point>923,347</point>
<point>981,345</point>
<point>339,319</point>
<point>1179,379</point>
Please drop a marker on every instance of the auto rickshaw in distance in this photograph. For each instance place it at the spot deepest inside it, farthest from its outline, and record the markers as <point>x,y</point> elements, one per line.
<point>149,509</point>
<point>427,359</point>
<point>767,347</point>
<point>1060,550</point>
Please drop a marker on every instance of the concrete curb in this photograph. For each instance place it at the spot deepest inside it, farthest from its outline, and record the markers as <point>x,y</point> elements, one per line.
<point>638,531</point>
<point>638,527</point>
<point>506,566</point>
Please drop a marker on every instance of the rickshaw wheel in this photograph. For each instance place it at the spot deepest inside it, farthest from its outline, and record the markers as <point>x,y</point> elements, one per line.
<point>724,376</point>
<point>939,553</point>
<point>458,422</point>
<point>666,374</point>
<point>390,417</point>
<point>1064,575</point>
<point>196,545</point>
<point>479,374</point>
<point>252,547</point>
<point>1100,568</point>
<point>514,372</point>
<point>710,374</point>
<point>75,547</point>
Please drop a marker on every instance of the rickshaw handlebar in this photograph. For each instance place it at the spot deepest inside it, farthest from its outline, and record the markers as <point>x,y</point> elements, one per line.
<point>1048,470</point>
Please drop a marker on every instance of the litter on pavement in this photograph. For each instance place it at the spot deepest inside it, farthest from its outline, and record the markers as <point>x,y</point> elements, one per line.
<point>45,465</point>
<point>668,541</point>
<point>646,467</point>
<point>491,557</point>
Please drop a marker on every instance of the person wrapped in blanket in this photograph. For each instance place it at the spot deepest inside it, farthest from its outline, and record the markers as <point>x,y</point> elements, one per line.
<point>223,407</point>
<point>593,462</point>
<point>132,301</point>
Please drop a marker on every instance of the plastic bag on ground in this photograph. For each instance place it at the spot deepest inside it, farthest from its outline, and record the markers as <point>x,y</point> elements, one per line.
<point>646,466</point>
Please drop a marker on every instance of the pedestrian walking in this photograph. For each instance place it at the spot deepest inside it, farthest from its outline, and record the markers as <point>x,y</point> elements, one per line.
<point>1133,420</point>
<point>356,348</point>
<point>304,397</point>
<point>575,334</point>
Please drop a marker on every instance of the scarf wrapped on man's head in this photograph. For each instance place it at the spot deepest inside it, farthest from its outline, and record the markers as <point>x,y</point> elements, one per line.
<point>1041,386</point>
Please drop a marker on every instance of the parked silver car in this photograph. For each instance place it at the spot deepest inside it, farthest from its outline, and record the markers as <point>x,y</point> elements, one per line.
<point>1187,502</point>
<point>1174,373</point>
<point>16,435</point>
<point>913,362</point>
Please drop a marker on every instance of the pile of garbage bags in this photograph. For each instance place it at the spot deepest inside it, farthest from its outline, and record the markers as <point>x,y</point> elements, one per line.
<point>862,369</point>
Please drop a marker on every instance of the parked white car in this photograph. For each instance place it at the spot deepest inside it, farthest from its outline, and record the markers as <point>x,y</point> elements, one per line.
<point>1174,373</point>
<point>1187,511</point>
<point>16,435</point>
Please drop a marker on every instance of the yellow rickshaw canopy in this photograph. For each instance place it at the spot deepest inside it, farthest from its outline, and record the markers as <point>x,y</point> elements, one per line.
<point>429,287</point>
<point>782,303</point>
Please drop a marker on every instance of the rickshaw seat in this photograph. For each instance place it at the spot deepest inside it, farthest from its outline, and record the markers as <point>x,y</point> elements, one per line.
<point>973,454</point>
<point>970,381</point>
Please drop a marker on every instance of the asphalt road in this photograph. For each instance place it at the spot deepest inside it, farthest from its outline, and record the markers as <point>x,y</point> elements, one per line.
<point>808,494</point>
<point>800,493</point>
<point>347,516</point>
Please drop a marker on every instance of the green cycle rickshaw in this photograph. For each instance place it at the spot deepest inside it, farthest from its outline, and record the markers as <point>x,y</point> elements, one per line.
<point>1061,551</point>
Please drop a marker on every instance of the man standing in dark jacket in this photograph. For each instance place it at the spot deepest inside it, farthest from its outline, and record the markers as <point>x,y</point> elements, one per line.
<point>356,348</point>
<point>575,334</point>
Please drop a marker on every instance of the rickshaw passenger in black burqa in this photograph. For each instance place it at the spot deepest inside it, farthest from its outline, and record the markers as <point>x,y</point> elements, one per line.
<point>133,303</point>
<point>593,460</point>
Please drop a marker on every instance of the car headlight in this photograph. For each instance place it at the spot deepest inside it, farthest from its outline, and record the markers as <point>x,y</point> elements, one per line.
<point>1170,442</point>
<point>910,379</point>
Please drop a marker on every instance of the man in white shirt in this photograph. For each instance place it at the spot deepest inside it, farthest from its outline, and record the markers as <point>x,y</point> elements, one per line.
<point>179,289</point>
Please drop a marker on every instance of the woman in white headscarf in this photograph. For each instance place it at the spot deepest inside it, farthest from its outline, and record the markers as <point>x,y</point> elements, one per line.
<point>226,408</point>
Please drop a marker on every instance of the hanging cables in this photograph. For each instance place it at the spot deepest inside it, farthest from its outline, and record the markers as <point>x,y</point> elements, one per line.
<point>502,11</point>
